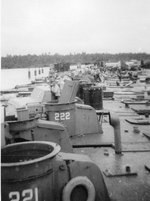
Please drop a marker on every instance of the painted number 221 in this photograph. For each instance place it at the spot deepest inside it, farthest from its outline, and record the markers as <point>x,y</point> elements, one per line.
<point>25,195</point>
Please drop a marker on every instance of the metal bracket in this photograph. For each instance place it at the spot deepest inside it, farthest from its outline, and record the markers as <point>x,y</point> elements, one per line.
<point>108,173</point>
<point>147,166</point>
<point>147,135</point>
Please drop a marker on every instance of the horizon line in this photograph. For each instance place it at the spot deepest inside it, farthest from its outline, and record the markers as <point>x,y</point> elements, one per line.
<point>75,53</point>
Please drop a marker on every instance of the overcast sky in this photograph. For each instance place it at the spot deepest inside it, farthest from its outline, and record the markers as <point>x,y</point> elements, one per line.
<point>74,26</point>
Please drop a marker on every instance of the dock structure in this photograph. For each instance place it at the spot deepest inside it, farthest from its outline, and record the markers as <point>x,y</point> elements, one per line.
<point>105,139</point>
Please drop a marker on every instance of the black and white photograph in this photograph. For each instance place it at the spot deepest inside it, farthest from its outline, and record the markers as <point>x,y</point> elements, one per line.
<point>75,100</point>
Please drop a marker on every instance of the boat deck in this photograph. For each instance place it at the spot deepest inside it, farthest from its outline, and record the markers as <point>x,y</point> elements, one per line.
<point>128,172</point>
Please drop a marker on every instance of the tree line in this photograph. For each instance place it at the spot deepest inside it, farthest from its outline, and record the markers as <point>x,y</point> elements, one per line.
<point>43,60</point>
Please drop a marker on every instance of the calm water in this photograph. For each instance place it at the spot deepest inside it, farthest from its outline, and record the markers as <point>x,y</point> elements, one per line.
<point>12,77</point>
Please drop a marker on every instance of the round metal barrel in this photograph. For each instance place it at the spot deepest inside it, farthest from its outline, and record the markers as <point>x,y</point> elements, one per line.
<point>80,92</point>
<point>86,96</point>
<point>83,87</point>
<point>27,171</point>
<point>96,98</point>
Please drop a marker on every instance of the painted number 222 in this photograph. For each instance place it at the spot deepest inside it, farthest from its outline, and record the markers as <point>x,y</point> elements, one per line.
<point>25,195</point>
<point>62,116</point>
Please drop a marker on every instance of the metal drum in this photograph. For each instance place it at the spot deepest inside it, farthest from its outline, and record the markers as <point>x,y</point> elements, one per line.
<point>27,171</point>
<point>96,98</point>
<point>86,96</point>
<point>93,96</point>
<point>83,87</point>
